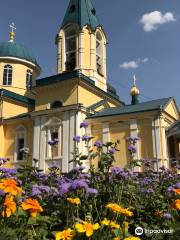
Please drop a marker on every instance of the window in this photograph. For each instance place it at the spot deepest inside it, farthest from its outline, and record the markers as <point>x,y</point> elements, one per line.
<point>56,104</point>
<point>20,142</point>
<point>70,49</point>
<point>99,53</point>
<point>53,129</point>
<point>29,79</point>
<point>7,75</point>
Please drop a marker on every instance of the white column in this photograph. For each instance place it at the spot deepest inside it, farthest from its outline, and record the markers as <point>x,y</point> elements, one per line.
<point>105,132</point>
<point>43,144</point>
<point>134,134</point>
<point>72,134</point>
<point>65,155</point>
<point>59,55</point>
<point>36,138</point>
<point>164,143</point>
<point>81,49</point>
<point>156,142</point>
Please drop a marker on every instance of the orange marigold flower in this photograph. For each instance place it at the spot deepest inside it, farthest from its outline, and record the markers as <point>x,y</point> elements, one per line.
<point>118,209</point>
<point>65,235</point>
<point>74,200</point>
<point>87,227</point>
<point>32,206</point>
<point>9,206</point>
<point>158,214</point>
<point>176,204</point>
<point>10,186</point>
<point>177,191</point>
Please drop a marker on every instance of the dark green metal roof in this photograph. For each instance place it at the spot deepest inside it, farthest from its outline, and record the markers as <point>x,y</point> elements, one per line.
<point>69,75</point>
<point>158,104</point>
<point>17,97</point>
<point>12,49</point>
<point>82,13</point>
<point>174,129</point>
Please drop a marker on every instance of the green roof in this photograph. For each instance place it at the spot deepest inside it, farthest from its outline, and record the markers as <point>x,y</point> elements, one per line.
<point>158,104</point>
<point>82,13</point>
<point>65,76</point>
<point>12,49</point>
<point>17,97</point>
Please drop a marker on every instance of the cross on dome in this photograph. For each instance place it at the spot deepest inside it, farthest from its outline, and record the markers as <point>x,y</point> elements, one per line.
<point>12,32</point>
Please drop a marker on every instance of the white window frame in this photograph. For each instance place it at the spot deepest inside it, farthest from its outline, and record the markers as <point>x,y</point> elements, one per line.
<point>20,132</point>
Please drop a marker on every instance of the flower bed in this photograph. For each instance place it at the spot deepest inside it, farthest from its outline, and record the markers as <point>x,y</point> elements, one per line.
<point>106,203</point>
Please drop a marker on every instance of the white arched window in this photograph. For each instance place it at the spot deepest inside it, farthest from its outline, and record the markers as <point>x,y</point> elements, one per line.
<point>70,48</point>
<point>53,130</point>
<point>99,53</point>
<point>20,142</point>
<point>7,75</point>
<point>29,76</point>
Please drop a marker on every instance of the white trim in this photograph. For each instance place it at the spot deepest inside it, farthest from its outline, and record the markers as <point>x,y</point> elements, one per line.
<point>23,61</point>
<point>36,139</point>
<point>105,132</point>
<point>72,134</point>
<point>65,160</point>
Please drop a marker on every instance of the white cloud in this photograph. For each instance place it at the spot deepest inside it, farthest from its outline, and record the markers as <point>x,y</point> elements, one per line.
<point>152,20</point>
<point>133,64</point>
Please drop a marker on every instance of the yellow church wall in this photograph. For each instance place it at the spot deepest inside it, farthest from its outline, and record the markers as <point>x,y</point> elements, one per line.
<point>18,77</point>
<point>119,133</point>
<point>10,133</point>
<point>145,144</point>
<point>2,141</point>
<point>65,92</point>
<point>11,109</point>
<point>172,111</point>
<point>87,43</point>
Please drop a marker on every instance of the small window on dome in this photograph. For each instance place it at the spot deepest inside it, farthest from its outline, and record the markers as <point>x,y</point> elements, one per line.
<point>56,104</point>
<point>29,76</point>
<point>7,75</point>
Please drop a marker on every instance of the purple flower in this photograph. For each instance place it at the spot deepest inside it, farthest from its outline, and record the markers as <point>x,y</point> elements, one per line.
<point>53,165</point>
<point>116,170</point>
<point>79,184</point>
<point>112,150</point>
<point>84,125</point>
<point>132,149</point>
<point>2,193</point>
<point>53,142</point>
<point>78,169</point>
<point>4,160</point>
<point>64,188</point>
<point>98,144</point>
<point>86,138</point>
<point>8,171</point>
<point>177,185</point>
<point>132,140</point>
<point>167,215</point>
<point>150,190</point>
<point>76,139</point>
<point>91,191</point>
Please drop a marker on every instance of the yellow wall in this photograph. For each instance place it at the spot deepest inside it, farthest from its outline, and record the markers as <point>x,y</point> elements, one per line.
<point>2,141</point>
<point>11,109</point>
<point>66,92</point>
<point>18,76</point>
<point>145,134</point>
<point>10,130</point>
<point>119,133</point>
<point>171,109</point>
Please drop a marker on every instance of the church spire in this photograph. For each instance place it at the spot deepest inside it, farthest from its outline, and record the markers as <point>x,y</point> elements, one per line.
<point>134,92</point>
<point>81,13</point>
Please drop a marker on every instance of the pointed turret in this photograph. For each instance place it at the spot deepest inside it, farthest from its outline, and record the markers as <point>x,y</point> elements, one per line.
<point>81,13</point>
<point>134,93</point>
<point>81,43</point>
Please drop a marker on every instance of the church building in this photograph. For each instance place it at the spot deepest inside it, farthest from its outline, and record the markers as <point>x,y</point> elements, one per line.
<point>36,110</point>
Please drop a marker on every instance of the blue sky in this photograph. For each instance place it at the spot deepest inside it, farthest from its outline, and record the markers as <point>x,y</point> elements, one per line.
<point>143,39</point>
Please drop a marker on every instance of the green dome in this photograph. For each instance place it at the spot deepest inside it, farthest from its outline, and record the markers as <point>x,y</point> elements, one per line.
<point>11,49</point>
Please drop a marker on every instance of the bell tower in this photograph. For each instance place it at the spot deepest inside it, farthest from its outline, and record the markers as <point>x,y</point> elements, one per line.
<point>81,43</point>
